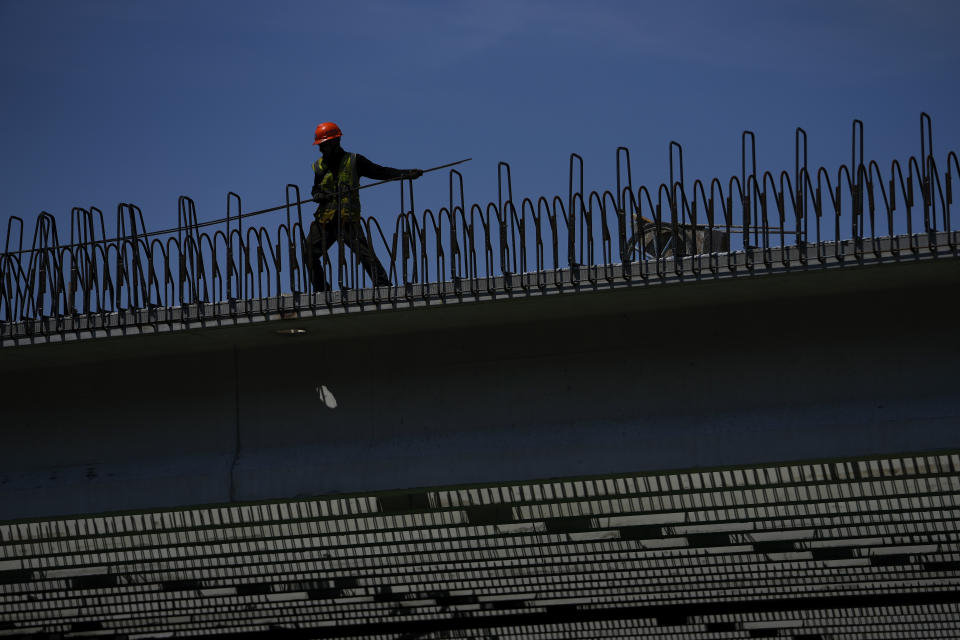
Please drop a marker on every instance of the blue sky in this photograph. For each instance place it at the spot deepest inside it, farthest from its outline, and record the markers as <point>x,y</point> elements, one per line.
<point>106,102</point>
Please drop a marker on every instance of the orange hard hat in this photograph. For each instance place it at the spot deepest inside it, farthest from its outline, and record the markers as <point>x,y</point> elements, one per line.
<point>326,131</point>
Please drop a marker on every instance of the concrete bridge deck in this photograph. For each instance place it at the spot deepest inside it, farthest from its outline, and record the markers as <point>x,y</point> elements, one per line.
<point>743,367</point>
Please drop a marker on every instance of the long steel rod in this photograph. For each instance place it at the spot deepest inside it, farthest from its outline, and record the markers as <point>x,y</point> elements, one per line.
<point>249,214</point>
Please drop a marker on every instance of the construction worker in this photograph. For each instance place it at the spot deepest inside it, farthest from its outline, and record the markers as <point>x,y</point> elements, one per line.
<point>334,220</point>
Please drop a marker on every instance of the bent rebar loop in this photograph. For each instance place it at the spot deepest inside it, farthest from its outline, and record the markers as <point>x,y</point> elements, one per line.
<point>275,254</point>
<point>445,240</point>
<point>660,245</point>
<point>472,259</point>
<point>9,285</point>
<point>736,195</point>
<point>220,246</point>
<point>248,245</point>
<point>134,250</point>
<point>233,269</point>
<point>935,193</point>
<point>152,247</point>
<point>629,225</point>
<point>949,200</point>
<point>128,270</point>
<point>726,211</point>
<point>844,174</point>
<point>926,151</point>
<point>554,220</point>
<point>527,207</point>
<point>767,180</point>
<point>85,283</point>
<point>582,234</point>
<point>188,256</point>
<point>907,193</point>
<point>855,178</point>
<point>681,226</point>
<point>622,231</point>
<point>786,190</point>
<point>42,276</point>
<point>82,235</point>
<point>441,265</point>
<point>518,221</point>
<point>710,211</point>
<point>489,261</point>
<point>190,268</point>
<point>395,250</point>
<point>875,181</point>
<point>44,260</point>
<point>506,219</point>
<point>368,225</point>
<point>645,225</point>
<point>94,243</point>
<point>77,237</point>
<point>172,247</point>
<point>286,250</point>
<point>84,280</point>
<point>187,223</point>
<point>407,228</point>
<point>410,235</point>
<point>823,176</point>
<point>799,172</point>
<point>696,262</point>
<point>237,265</point>
<point>8,312</point>
<point>505,253</point>
<point>459,268</point>
<point>206,253</point>
<point>11,276</point>
<point>918,181</point>
<point>421,272</point>
<point>296,238</point>
<point>806,191</point>
<point>293,203</point>
<point>571,218</point>
<point>606,249</point>
<point>513,244</point>
<point>258,239</point>
<point>750,204</point>
<point>677,177</point>
<point>621,200</point>
<point>753,217</point>
<point>6,246</point>
<point>110,294</point>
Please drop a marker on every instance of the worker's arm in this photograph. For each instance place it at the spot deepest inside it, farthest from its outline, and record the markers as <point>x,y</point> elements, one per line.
<point>367,169</point>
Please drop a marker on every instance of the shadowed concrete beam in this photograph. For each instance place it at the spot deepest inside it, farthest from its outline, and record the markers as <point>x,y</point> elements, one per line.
<point>806,365</point>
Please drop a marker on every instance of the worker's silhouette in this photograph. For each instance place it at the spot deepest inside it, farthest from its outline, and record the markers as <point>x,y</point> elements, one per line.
<point>338,217</point>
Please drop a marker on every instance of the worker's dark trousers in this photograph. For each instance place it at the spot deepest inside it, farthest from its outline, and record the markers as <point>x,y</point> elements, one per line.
<point>321,238</point>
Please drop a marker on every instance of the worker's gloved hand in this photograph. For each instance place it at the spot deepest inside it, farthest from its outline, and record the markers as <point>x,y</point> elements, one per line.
<point>412,174</point>
<point>321,198</point>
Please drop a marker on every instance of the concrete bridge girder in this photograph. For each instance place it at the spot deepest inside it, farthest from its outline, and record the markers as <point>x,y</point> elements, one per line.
<point>786,367</point>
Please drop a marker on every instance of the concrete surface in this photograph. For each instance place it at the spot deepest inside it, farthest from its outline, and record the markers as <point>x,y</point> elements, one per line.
<point>796,366</point>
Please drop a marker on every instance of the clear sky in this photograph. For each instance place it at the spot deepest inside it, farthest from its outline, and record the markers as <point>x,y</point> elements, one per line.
<point>133,101</point>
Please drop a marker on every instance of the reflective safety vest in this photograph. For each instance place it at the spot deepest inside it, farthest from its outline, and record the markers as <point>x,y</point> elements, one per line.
<point>348,180</point>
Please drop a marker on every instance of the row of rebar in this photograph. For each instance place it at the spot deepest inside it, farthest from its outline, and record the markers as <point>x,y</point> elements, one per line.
<point>95,275</point>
